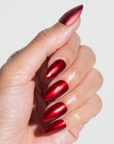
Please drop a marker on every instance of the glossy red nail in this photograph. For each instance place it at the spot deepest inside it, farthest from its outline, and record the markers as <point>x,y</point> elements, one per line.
<point>57,67</point>
<point>55,126</point>
<point>56,90</point>
<point>55,111</point>
<point>71,16</point>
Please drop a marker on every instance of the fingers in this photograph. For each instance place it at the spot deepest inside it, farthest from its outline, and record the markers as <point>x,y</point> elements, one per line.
<point>71,77</point>
<point>78,116</point>
<point>79,105</point>
<point>29,60</point>
<point>75,98</point>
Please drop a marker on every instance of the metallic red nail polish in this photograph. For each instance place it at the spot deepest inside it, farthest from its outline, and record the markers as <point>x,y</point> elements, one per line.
<point>71,16</point>
<point>56,90</point>
<point>57,67</point>
<point>55,111</point>
<point>55,126</point>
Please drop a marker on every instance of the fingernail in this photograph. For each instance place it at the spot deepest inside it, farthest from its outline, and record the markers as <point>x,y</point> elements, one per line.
<point>56,90</point>
<point>55,111</point>
<point>57,67</point>
<point>71,16</point>
<point>55,126</point>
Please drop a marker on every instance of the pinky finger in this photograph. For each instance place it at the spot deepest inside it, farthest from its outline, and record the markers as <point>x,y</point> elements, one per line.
<point>77,117</point>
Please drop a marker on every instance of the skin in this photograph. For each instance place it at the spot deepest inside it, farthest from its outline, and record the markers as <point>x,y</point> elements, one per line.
<point>23,85</point>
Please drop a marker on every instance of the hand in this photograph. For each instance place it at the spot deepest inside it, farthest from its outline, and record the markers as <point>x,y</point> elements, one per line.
<point>23,85</point>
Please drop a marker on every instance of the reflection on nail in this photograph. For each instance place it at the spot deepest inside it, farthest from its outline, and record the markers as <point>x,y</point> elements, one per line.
<point>55,111</point>
<point>71,16</point>
<point>56,90</point>
<point>56,67</point>
<point>55,126</point>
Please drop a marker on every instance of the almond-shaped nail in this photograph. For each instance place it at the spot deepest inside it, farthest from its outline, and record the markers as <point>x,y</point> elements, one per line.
<point>71,16</point>
<point>55,126</point>
<point>56,90</point>
<point>55,111</point>
<point>55,68</point>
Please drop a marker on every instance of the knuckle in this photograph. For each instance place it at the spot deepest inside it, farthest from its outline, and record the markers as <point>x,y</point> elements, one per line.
<point>79,95</point>
<point>70,52</point>
<point>78,114</point>
<point>72,46</point>
<point>91,55</point>
<point>97,103</point>
<point>46,34</point>
<point>74,73</point>
<point>78,73</point>
<point>77,38</point>
<point>97,77</point>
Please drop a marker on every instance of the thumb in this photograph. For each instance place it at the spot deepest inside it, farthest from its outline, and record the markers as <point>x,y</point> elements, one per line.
<point>16,87</point>
<point>29,60</point>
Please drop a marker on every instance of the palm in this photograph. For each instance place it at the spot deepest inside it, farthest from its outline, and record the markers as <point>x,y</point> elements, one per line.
<point>36,127</point>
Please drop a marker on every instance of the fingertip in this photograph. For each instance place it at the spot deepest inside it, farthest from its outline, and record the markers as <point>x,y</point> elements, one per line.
<point>71,16</point>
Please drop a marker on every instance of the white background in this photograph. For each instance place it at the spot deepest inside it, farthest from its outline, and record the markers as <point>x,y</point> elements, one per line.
<point>21,20</point>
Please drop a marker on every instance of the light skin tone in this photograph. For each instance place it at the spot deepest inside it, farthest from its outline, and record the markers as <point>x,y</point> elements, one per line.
<point>23,85</point>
